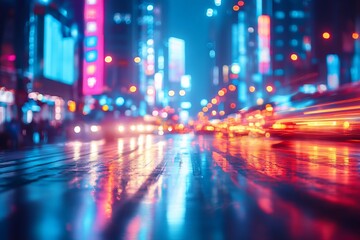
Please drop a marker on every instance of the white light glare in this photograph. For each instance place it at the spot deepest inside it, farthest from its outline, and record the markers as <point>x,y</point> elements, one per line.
<point>150,7</point>
<point>210,12</point>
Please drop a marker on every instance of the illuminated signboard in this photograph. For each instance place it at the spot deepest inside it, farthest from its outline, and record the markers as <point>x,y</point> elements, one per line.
<point>333,71</point>
<point>264,44</point>
<point>93,67</point>
<point>59,51</point>
<point>176,59</point>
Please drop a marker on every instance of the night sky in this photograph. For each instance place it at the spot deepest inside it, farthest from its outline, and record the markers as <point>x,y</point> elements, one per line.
<point>188,21</point>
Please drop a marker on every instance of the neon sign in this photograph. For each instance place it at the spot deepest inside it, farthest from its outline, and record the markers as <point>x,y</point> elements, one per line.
<point>93,62</point>
<point>264,44</point>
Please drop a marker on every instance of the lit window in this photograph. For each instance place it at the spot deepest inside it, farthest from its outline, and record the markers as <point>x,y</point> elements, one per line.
<point>279,15</point>
<point>91,27</point>
<point>279,57</point>
<point>117,18</point>
<point>294,28</point>
<point>279,29</point>
<point>90,70</point>
<point>279,43</point>
<point>294,42</point>
<point>91,81</point>
<point>91,56</point>
<point>91,2</point>
<point>297,14</point>
<point>279,72</point>
<point>90,14</point>
<point>91,41</point>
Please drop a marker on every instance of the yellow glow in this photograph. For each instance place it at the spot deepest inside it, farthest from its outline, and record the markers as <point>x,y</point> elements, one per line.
<point>294,57</point>
<point>105,108</point>
<point>346,125</point>
<point>260,101</point>
<point>137,59</point>
<point>209,128</point>
<point>214,101</point>
<point>355,36</point>
<point>213,113</point>
<point>232,87</point>
<point>333,110</point>
<point>133,89</point>
<point>91,69</point>
<point>326,35</point>
<point>221,93</point>
<point>269,88</point>
<point>108,59</point>
<point>205,109</point>
<point>71,106</point>
<point>252,89</point>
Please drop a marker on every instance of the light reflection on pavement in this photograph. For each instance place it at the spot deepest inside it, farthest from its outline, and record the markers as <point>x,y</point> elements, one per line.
<point>181,186</point>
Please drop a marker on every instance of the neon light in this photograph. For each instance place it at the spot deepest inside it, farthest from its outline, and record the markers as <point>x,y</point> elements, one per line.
<point>91,56</point>
<point>93,62</point>
<point>176,59</point>
<point>264,44</point>
<point>91,27</point>
<point>91,69</point>
<point>91,42</point>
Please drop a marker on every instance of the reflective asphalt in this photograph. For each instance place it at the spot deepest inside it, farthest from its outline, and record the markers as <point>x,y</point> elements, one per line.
<point>181,187</point>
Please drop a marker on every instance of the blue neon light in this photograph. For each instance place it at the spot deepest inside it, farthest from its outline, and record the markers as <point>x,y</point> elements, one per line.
<point>91,56</point>
<point>91,41</point>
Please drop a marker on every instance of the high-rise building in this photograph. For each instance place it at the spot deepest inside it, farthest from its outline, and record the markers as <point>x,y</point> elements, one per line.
<point>292,35</point>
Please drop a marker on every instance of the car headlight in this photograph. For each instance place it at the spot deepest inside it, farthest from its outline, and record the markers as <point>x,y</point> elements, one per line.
<point>77,129</point>
<point>94,128</point>
<point>121,128</point>
<point>140,128</point>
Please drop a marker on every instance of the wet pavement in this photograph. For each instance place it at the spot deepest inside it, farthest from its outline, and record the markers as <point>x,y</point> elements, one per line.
<point>181,187</point>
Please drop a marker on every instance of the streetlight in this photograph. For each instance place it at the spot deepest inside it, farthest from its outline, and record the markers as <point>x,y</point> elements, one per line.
<point>269,88</point>
<point>326,35</point>
<point>108,59</point>
<point>294,57</point>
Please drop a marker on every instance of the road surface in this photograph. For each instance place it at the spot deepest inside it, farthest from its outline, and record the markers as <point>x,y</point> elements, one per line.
<point>181,187</point>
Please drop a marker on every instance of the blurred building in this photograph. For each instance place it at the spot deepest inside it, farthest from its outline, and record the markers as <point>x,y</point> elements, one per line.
<point>336,41</point>
<point>40,56</point>
<point>270,49</point>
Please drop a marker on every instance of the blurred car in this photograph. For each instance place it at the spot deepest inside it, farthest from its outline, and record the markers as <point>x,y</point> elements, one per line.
<point>328,115</point>
<point>176,128</point>
<point>84,130</point>
<point>127,126</point>
<point>205,129</point>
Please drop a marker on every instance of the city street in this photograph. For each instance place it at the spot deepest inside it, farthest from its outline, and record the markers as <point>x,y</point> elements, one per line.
<point>181,187</point>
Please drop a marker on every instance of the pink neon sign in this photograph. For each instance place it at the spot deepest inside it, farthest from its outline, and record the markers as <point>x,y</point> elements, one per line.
<point>93,62</point>
<point>264,44</point>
